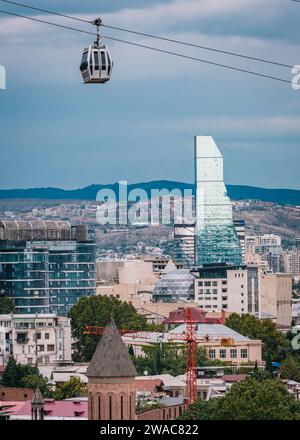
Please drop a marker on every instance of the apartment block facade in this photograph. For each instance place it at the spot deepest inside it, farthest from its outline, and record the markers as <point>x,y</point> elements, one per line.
<point>35,339</point>
<point>46,266</point>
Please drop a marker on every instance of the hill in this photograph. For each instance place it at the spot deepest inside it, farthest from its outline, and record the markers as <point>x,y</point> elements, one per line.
<point>236,192</point>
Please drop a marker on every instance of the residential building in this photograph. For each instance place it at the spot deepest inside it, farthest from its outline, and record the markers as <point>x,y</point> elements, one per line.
<point>216,237</point>
<point>36,339</point>
<point>221,287</point>
<point>46,266</point>
<point>184,244</point>
<point>275,297</point>
<point>291,262</point>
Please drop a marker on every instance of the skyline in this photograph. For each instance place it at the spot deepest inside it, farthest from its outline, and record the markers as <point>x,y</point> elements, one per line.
<point>140,126</point>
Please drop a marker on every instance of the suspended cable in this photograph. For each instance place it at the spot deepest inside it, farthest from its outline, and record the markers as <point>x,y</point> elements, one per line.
<point>151,48</point>
<point>170,40</point>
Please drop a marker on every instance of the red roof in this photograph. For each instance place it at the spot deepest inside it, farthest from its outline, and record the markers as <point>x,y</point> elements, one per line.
<point>59,409</point>
<point>148,384</point>
<point>178,316</point>
<point>235,377</point>
<point>10,407</point>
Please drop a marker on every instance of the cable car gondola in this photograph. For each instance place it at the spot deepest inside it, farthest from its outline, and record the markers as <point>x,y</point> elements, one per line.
<point>96,63</point>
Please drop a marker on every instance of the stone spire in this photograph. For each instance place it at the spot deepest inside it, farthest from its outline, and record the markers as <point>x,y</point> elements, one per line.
<point>111,358</point>
<point>37,406</point>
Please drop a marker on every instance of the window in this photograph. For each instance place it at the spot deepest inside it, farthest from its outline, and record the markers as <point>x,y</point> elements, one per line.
<point>99,407</point>
<point>96,55</point>
<point>22,338</point>
<point>233,353</point>
<point>50,347</point>
<point>40,348</point>
<point>244,353</point>
<point>215,283</point>
<point>222,353</point>
<point>47,335</point>
<point>200,283</point>
<point>207,283</point>
<point>224,282</point>
<point>110,407</point>
<point>212,354</point>
<point>103,60</point>
<point>122,407</point>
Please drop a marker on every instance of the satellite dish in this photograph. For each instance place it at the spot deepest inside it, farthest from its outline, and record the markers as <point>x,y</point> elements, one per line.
<point>146,373</point>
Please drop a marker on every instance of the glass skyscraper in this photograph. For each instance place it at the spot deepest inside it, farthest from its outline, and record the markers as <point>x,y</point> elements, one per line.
<point>216,238</point>
<point>46,266</point>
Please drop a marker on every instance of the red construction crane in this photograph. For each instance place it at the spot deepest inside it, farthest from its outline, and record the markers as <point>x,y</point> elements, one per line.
<point>191,357</point>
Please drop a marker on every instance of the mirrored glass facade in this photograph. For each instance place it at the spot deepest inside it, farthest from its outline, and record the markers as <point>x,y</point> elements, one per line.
<point>216,237</point>
<point>46,276</point>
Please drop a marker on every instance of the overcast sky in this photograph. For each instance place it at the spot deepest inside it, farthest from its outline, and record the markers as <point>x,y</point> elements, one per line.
<point>56,131</point>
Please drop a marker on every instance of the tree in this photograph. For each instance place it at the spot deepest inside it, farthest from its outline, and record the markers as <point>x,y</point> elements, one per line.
<point>275,345</point>
<point>18,376</point>
<point>11,374</point>
<point>7,305</point>
<point>74,387</point>
<point>290,369</point>
<point>37,381</point>
<point>250,400</point>
<point>96,310</point>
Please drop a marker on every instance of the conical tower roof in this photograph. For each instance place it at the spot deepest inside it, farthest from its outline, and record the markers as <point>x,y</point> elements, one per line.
<point>37,398</point>
<point>111,358</point>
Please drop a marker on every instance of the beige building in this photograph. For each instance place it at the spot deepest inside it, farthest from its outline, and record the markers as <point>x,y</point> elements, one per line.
<point>220,342</point>
<point>275,297</point>
<point>221,288</point>
<point>38,339</point>
<point>291,262</point>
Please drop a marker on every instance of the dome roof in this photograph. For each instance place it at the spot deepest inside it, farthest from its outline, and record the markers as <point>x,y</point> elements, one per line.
<point>175,285</point>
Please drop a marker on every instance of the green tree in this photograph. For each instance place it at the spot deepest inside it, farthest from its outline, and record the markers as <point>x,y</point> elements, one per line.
<point>7,305</point>
<point>37,381</point>
<point>250,400</point>
<point>96,310</point>
<point>290,369</point>
<point>74,387</point>
<point>17,375</point>
<point>275,345</point>
<point>11,374</point>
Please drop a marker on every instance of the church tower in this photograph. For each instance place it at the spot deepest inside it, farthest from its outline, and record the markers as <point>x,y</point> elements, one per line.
<point>111,379</point>
<point>37,406</point>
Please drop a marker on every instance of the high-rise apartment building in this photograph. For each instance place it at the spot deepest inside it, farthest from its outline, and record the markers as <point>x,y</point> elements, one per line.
<point>46,266</point>
<point>275,297</point>
<point>221,287</point>
<point>216,237</point>
<point>184,244</point>
<point>291,262</point>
